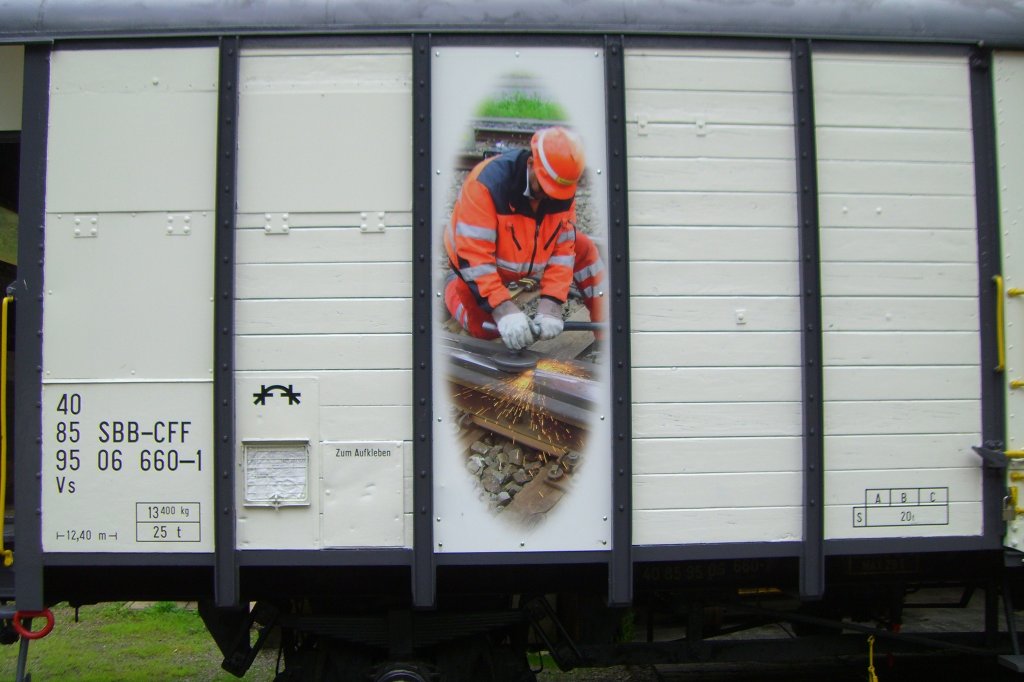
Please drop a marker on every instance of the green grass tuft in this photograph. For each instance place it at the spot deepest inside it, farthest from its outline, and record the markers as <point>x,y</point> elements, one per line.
<point>518,105</point>
<point>163,607</point>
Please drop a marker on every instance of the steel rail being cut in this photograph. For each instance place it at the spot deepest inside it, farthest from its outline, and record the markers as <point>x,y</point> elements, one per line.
<point>565,390</point>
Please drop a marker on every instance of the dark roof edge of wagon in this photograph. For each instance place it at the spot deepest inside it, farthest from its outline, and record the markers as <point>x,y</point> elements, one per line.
<point>997,23</point>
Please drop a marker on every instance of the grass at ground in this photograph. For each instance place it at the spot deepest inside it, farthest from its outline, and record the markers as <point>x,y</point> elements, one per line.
<point>112,642</point>
<point>118,643</point>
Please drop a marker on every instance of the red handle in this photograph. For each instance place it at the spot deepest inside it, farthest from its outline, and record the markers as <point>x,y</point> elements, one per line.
<point>29,615</point>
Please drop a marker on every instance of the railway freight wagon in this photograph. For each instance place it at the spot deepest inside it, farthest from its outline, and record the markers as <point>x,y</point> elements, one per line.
<point>789,386</point>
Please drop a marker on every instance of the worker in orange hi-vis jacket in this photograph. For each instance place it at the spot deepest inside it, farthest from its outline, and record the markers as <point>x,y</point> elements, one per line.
<point>515,218</point>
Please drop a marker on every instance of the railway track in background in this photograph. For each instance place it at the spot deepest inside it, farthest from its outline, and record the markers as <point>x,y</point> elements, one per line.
<point>494,136</point>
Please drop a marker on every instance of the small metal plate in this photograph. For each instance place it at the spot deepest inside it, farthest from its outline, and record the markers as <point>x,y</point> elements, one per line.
<point>276,474</point>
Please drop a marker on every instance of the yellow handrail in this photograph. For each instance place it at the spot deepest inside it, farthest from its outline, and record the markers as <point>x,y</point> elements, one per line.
<point>1000,333</point>
<point>872,677</point>
<point>8,555</point>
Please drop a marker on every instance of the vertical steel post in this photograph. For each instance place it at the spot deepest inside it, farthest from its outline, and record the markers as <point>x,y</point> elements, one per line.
<point>226,590</point>
<point>986,189</point>
<point>424,565</point>
<point>812,553</point>
<point>28,292</point>
<point>620,568</point>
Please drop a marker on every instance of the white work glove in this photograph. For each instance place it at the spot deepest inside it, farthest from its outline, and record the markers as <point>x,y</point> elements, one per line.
<point>513,325</point>
<point>547,323</point>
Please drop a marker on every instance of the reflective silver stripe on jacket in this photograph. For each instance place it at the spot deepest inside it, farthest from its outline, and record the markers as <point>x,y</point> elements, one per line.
<point>586,273</point>
<point>514,266</point>
<point>478,271</point>
<point>476,232</point>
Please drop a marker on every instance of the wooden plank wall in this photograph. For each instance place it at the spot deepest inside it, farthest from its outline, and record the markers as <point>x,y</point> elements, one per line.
<point>714,294</point>
<point>325,148</point>
<point>900,287</point>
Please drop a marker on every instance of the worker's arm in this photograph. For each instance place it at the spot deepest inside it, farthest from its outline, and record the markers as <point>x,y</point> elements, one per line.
<point>476,234</point>
<point>554,284</point>
<point>554,287</point>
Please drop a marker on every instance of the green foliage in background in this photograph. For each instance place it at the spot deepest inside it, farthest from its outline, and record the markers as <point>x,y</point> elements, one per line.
<point>8,236</point>
<point>518,105</point>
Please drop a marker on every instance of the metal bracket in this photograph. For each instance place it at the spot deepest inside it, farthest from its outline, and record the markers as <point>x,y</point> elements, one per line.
<point>230,629</point>
<point>372,222</point>
<point>86,226</point>
<point>991,457</point>
<point>179,224</point>
<point>554,635</point>
<point>641,124</point>
<point>275,223</point>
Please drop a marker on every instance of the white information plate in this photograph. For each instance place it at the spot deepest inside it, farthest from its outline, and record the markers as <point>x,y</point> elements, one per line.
<point>363,494</point>
<point>127,467</point>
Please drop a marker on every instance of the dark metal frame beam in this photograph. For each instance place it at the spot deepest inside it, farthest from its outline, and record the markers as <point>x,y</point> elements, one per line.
<point>334,558</point>
<point>620,567</point>
<point>28,291</point>
<point>908,545</point>
<point>993,399</point>
<point>812,556</point>
<point>714,551</point>
<point>424,578</point>
<point>161,560</point>
<point>226,588</point>
<point>521,558</point>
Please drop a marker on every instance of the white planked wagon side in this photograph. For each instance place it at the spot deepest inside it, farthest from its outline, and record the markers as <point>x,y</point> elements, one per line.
<point>323,280</point>
<point>324,288</point>
<point>902,354</point>
<point>714,302</point>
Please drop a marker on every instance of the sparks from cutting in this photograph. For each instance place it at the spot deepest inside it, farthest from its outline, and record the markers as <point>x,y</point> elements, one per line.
<point>515,398</point>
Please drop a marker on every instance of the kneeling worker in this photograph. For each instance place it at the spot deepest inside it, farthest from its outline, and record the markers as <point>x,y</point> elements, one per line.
<point>515,218</point>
